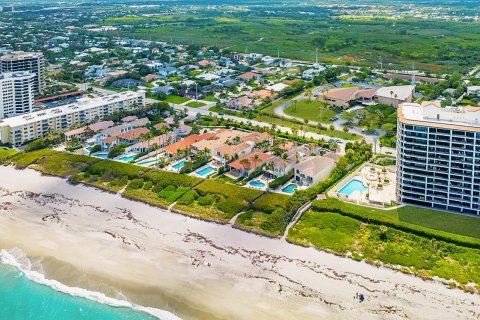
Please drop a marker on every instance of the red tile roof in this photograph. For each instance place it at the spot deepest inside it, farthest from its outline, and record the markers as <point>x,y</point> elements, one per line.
<point>187,142</point>
<point>133,134</point>
<point>263,157</point>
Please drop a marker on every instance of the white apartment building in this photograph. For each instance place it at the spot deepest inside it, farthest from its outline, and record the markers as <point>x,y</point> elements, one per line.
<point>32,62</point>
<point>438,157</point>
<point>20,129</point>
<point>16,93</point>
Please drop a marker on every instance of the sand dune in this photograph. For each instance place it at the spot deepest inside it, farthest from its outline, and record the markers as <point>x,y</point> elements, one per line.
<point>198,270</point>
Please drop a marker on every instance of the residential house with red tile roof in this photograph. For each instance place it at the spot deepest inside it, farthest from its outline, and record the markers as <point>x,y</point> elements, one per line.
<point>95,127</point>
<point>185,144</point>
<point>248,76</point>
<point>245,166</point>
<point>228,152</point>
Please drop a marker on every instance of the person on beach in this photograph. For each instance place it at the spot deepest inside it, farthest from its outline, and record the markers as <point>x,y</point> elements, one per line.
<point>361,297</point>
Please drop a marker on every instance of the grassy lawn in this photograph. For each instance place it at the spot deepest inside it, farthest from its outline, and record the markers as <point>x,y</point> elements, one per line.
<point>311,110</point>
<point>195,104</point>
<point>176,99</point>
<point>423,256</point>
<point>290,124</point>
<point>210,98</point>
<point>439,220</point>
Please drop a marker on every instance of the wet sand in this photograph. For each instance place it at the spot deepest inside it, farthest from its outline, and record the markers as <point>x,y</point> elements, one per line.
<point>84,237</point>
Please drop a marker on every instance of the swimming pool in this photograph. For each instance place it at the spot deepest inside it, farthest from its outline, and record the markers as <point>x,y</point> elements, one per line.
<point>352,186</point>
<point>290,188</point>
<point>102,155</point>
<point>257,184</point>
<point>127,158</point>
<point>179,165</point>
<point>205,171</point>
<point>147,162</point>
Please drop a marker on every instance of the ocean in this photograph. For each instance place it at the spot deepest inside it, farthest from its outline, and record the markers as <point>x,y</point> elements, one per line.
<point>26,294</point>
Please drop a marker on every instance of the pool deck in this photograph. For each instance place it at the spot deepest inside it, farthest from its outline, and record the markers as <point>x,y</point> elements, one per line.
<point>262,180</point>
<point>208,165</point>
<point>380,186</point>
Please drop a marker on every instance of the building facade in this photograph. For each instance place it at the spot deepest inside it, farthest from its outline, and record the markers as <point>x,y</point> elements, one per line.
<point>32,62</point>
<point>438,157</point>
<point>20,129</point>
<point>16,93</point>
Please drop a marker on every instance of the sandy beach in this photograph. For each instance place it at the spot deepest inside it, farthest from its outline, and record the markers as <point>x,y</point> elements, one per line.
<point>84,237</point>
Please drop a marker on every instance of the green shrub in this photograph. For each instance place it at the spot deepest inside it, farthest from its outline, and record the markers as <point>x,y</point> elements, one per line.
<point>188,198</point>
<point>281,180</point>
<point>148,185</point>
<point>114,169</point>
<point>64,164</point>
<point>162,179</point>
<point>5,154</point>
<point>270,201</point>
<point>229,206</point>
<point>207,200</point>
<point>24,159</point>
<point>136,184</point>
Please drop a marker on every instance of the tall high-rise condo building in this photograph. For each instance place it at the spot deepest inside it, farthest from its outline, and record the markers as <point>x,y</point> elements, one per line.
<point>438,157</point>
<point>33,62</point>
<point>16,93</point>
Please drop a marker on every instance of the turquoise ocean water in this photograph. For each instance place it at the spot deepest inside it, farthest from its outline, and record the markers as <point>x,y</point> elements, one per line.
<point>28,295</point>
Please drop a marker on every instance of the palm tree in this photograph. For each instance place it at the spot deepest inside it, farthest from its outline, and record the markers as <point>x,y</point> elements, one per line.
<point>255,158</point>
<point>285,160</point>
<point>269,166</point>
<point>245,164</point>
<point>309,94</point>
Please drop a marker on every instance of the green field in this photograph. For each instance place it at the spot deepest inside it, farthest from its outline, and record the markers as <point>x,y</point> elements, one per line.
<point>311,110</point>
<point>433,45</point>
<point>176,99</point>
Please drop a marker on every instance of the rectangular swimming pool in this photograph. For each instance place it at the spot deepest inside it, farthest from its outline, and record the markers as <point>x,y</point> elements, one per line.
<point>127,158</point>
<point>352,186</point>
<point>290,188</point>
<point>179,165</point>
<point>205,171</point>
<point>102,155</point>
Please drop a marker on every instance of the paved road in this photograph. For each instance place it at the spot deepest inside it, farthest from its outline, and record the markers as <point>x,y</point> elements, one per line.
<point>338,124</point>
<point>204,111</point>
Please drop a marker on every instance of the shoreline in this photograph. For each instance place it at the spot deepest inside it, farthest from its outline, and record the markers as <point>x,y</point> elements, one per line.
<point>196,269</point>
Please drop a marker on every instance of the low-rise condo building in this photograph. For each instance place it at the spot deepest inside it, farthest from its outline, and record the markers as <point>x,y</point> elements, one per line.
<point>20,129</point>
<point>438,161</point>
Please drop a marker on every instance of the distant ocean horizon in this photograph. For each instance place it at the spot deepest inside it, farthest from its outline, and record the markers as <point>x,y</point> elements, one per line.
<point>26,294</point>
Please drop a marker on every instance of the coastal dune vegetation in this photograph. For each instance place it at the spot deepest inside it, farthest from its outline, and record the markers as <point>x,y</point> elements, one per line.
<point>424,242</point>
<point>216,201</point>
<point>376,243</point>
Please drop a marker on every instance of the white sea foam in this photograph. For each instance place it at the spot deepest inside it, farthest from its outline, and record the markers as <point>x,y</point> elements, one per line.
<point>18,259</point>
